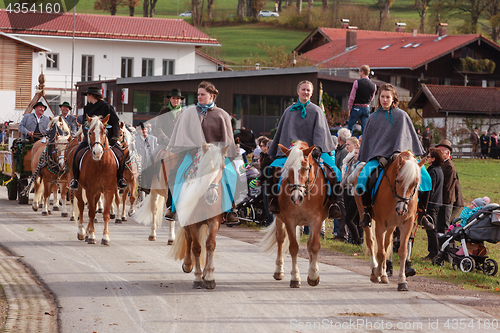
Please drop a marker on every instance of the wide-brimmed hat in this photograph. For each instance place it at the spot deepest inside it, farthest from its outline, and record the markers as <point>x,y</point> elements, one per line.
<point>445,143</point>
<point>94,91</point>
<point>175,93</point>
<point>66,104</point>
<point>38,104</point>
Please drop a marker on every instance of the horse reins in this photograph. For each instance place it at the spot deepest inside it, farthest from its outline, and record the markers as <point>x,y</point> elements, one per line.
<point>393,190</point>
<point>293,187</point>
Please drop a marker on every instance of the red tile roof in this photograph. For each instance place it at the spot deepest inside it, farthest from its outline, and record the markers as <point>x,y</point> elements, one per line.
<point>218,62</point>
<point>335,33</point>
<point>104,26</point>
<point>390,52</point>
<point>459,99</point>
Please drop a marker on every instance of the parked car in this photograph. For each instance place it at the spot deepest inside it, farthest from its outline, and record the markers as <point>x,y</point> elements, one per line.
<point>268,13</point>
<point>187,13</point>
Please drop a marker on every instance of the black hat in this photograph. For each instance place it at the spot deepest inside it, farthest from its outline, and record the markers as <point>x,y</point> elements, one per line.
<point>38,104</point>
<point>94,91</point>
<point>66,104</point>
<point>175,93</point>
<point>142,125</point>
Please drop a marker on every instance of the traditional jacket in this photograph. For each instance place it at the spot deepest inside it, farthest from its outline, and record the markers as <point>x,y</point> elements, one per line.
<point>388,132</point>
<point>102,108</point>
<point>452,193</point>
<point>71,121</point>
<point>29,122</point>
<point>313,129</point>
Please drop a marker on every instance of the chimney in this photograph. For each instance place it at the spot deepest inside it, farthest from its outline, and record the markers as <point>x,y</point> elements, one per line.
<point>344,23</point>
<point>351,37</point>
<point>400,27</point>
<point>442,29</point>
<point>414,32</point>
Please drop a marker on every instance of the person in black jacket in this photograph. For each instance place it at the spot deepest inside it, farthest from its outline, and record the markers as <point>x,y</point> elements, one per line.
<point>484,140</point>
<point>96,106</point>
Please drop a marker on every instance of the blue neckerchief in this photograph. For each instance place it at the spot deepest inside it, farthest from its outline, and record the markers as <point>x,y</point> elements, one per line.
<point>205,107</point>
<point>389,112</point>
<point>299,106</point>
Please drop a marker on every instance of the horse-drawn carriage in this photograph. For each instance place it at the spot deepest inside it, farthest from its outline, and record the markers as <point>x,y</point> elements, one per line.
<point>16,164</point>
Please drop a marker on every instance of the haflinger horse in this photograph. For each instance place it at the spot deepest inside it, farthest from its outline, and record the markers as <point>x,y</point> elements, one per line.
<point>199,212</point>
<point>302,198</point>
<point>51,169</point>
<point>395,206</point>
<point>97,176</point>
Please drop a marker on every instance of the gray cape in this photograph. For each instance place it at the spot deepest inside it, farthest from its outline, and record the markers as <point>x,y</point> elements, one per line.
<point>383,138</point>
<point>313,130</point>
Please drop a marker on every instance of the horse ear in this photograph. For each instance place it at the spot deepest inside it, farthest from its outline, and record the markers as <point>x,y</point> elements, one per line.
<point>60,119</point>
<point>105,120</point>
<point>50,118</point>
<point>422,162</point>
<point>224,150</point>
<point>57,136</point>
<point>122,124</point>
<point>285,150</point>
<point>204,147</point>
<point>308,150</point>
<point>89,120</point>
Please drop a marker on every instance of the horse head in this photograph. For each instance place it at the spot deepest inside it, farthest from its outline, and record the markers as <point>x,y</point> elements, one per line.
<point>212,194</point>
<point>60,144</point>
<point>97,137</point>
<point>407,180</point>
<point>297,170</point>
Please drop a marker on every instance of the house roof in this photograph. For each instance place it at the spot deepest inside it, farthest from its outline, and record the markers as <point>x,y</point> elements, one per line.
<point>330,34</point>
<point>104,27</point>
<point>458,99</point>
<point>390,52</point>
<point>220,63</point>
<point>35,47</point>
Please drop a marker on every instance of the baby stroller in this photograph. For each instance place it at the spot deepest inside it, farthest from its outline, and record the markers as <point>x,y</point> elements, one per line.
<point>484,225</point>
<point>251,209</point>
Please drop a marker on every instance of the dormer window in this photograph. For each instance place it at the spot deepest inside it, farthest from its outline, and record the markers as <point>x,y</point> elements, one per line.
<point>385,47</point>
<point>407,45</point>
<point>416,45</point>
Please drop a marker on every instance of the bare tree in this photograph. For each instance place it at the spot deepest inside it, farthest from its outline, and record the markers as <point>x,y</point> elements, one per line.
<point>210,4</point>
<point>299,7</point>
<point>197,12</point>
<point>148,8</point>
<point>325,4</point>
<point>422,7</point>
<point>240,12</point>
<point>473,10</point>
<point>383,6</point>
<point>131,6</point>
<point>109,5</point>
<point>493,16</point>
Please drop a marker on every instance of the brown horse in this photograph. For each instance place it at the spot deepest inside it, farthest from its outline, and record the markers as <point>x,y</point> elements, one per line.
<point>199,211</point>
<point>302,198</point>
<point>395,206</point>
<point>97,176</point>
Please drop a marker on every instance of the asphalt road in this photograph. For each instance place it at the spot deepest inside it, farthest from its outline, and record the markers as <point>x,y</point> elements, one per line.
<point>133,286</point>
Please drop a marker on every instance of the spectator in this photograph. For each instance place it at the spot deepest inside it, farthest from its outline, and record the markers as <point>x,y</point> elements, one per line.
<point>435,159</point>
<point>265,162</point>
<point>485,143</point>
<point>452,193</point>
<point>4,134</point>
<point>335,141</point>
<point>362,93</point>
<point>474,139</point>
<point>145,145</point>
<point>340,153</point>
<point>493,146</point>
<point>427,138</point>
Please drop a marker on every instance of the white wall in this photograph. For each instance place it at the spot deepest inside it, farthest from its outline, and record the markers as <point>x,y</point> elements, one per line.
<point>7,111</point>
<point>204,65</point>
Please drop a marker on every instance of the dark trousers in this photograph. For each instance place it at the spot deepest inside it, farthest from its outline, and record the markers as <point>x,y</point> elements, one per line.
<point>432,238</point>
<point>270,217</point>
<point>342,230</point>
<point>352,217</point>
<point>444,217</point>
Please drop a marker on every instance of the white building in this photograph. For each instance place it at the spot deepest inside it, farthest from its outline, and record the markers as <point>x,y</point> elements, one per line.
<point>105,47</point>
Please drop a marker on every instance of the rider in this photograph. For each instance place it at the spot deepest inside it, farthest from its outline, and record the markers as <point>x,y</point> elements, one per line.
<point>306,122</point>
<point>34,125</point>
<point>388,131</point>
<point>96,106</point>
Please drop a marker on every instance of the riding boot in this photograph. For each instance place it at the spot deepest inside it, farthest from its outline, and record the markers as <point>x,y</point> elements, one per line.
<point>409,271</point>
<point>334,211</point>
<point>422,218</point>
<point>366,219</point>
<point>121,182</point>
<point>272,193</point>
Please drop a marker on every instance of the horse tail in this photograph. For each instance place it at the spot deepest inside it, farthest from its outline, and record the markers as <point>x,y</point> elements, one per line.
<point>146,209</point>
<point>179,248</point>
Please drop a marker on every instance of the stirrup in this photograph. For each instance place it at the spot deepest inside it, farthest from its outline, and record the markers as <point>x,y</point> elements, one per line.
<point>74,184</point>
<point>274,207</point>
<point>122,184</point>
<point>334,211</point>
<point>366,220</point>
<point>423,220</point>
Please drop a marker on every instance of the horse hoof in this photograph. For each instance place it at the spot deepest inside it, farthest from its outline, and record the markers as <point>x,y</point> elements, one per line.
<point>45,214</point>
<point>35,209</point>
<point>374,279</point>
<point>86,238</point>
<point>152,238</point>
<point>64,214</point>
<point>112,216</point>
<point>313,283</point>
<point>81,237</point>
<point>91,241</point>
<point>384,279</point>
<point>95,220</point>
<point>186,270</point>
<point>40,206</point>
<point>197,284</point>
<point>170,242</point>
<point>124,219</point>
<point>100,210</point>
<point>72,218</point>
<point>105,242</point>
<point>118,221</point>
<point>279,276</point>
<point>403,286</point>
<point>55,209</point>
<point>294,284</point>
<point>209,284</point>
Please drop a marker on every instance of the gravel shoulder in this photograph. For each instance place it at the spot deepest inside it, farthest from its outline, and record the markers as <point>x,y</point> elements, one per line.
<point>481,301</point>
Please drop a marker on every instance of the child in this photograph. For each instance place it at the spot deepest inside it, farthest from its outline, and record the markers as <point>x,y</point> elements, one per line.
<point>475,205</point>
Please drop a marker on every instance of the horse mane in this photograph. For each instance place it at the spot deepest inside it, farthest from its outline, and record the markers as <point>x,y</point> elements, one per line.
<point>192,190</point>
<point>94,122</point>
<point>127,136</point>
<point>65,127</point>
<point>410,171</point>
<point>293,160</point>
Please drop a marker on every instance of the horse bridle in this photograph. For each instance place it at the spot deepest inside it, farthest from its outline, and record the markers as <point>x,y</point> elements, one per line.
<point>396,196</point>
<point>304,189</point>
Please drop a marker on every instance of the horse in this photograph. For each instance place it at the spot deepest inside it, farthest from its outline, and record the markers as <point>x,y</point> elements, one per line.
<point>70,152</point>
<point>97,176</point>
<point>394,206</point>
<point>302,198</point>
<point>199,212</point>
<point>51,171</point>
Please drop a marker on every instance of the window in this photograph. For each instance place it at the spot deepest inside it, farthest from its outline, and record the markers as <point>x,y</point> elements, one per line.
<point>396,81</point>
<point>447,82</point>
<point>52,60</point>
<point>127,67</point>
<point>385,47</point>
<point>147,67</point>
<point>87,67</point>
<point>168,67</point>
